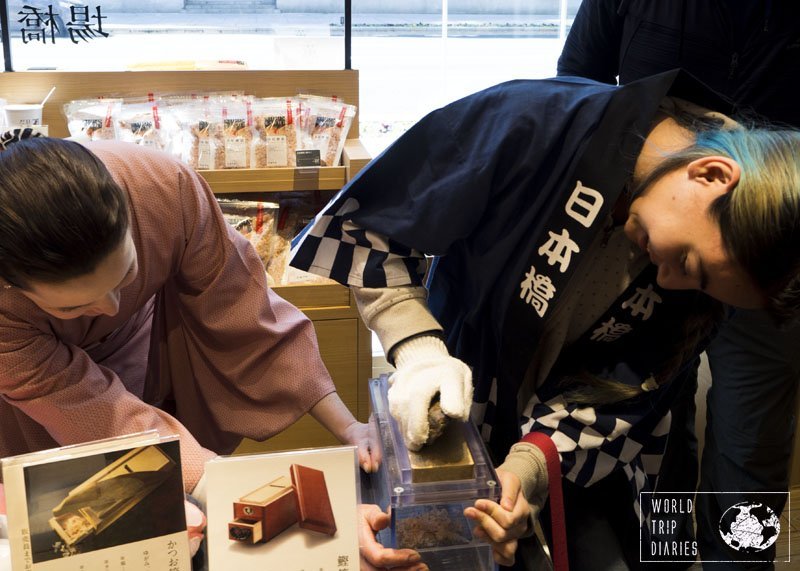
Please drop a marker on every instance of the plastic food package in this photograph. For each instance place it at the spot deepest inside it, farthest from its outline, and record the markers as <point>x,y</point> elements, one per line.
<point>92,119</point>
<point>254,220</point>
<point>201,130</point>
<point>237,133</point>
<point>143,123</point>
<point>275,135</point>
<point>329,122</point>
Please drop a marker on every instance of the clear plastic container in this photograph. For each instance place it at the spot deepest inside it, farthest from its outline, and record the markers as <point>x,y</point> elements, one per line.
<point>428,516</point>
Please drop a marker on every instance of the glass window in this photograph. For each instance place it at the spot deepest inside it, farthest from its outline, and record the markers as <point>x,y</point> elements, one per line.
<point>410,64</point>
<point>412,56</point>
<point>115,35</point>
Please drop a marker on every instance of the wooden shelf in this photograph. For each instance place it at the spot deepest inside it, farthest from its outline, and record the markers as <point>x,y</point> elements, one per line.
<point>32,86</point>
<point>229,181</point>
<point>274,179</point>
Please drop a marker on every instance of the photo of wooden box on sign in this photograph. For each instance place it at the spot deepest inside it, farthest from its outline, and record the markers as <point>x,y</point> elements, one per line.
<point>314,489</point>
<point>93,506</point>
<point>264,513</point>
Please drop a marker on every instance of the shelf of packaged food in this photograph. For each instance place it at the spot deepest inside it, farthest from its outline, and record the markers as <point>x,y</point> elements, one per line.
<point>230,181</point>
<point>274,179</point>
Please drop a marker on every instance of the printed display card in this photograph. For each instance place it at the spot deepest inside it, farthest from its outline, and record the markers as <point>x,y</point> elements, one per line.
<point>292,511</point>
<point>108,505</point>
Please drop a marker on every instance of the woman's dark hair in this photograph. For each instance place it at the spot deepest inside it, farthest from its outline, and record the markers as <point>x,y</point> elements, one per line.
<point>61,212</point>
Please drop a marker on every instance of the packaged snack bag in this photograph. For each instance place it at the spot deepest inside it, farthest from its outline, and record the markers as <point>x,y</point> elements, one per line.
<point>140,122</point>
<point>275,135</point>
<point>237,133</point>
<point>256,221</point>
<point>92,119</point>
<point>330,122</point>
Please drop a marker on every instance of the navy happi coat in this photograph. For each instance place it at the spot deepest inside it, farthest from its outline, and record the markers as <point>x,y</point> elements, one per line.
<point>507,188</point>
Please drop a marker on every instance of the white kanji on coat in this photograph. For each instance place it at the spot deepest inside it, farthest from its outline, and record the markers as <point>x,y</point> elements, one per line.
<point>559,249</point>
<point>610,331</point>
<point>537,290</point>
<point>584,204</point>
<point>642,302</point>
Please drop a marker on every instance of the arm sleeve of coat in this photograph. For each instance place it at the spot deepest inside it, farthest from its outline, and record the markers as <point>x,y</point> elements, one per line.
<point>592,46</point>
<point>253,358</point>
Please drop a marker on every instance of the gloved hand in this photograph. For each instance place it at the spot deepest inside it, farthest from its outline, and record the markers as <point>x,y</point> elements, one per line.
<point>425,368</point>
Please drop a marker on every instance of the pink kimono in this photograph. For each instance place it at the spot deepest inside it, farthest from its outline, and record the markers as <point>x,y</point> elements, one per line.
<point>201,347</point>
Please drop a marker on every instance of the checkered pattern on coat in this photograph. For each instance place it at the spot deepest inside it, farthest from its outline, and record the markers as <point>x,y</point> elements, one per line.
<point>592,445</point>
<point>336,248</point>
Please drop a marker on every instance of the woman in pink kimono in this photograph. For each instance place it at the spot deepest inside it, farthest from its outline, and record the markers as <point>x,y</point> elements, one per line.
<point>128,303</point>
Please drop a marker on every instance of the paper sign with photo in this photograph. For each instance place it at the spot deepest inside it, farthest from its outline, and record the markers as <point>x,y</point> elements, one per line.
<point>116,504</point>
<point>286,510</point>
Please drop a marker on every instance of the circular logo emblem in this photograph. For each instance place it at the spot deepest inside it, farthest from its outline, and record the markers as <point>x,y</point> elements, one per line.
<point>749,527</point>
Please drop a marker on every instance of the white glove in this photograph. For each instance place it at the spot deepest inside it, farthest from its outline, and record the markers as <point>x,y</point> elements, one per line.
<point>425,368</point>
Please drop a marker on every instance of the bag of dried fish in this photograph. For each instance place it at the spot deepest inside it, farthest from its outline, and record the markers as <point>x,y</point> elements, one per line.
<point>140,122</point>
<point>92,119</point>
<point>275,137</point>
<point>237,133</point>
<point>256,221</point>
<point>200,123</point>
<point>331,120</point>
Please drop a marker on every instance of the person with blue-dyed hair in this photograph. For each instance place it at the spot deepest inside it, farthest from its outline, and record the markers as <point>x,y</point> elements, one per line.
<point>745,50</point>
<point>586,241</point>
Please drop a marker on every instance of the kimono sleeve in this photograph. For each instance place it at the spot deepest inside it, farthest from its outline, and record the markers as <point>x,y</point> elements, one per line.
<point>76,400</point>
<point>239,359</point>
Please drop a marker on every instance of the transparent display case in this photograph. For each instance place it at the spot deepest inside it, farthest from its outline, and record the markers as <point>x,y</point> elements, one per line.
<point>427,492</point>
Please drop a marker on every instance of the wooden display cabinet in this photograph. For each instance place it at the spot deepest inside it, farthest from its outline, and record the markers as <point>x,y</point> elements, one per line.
<point>345,343</point>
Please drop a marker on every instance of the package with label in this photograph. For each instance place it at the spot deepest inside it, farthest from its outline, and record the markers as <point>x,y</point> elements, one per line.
<point>329,123</point>
<point>92,119</point>
<point>254,220</point>
<point>145,123</point>
<point>200,122</point>
<point>237,132</point>
<point>275,136</point>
